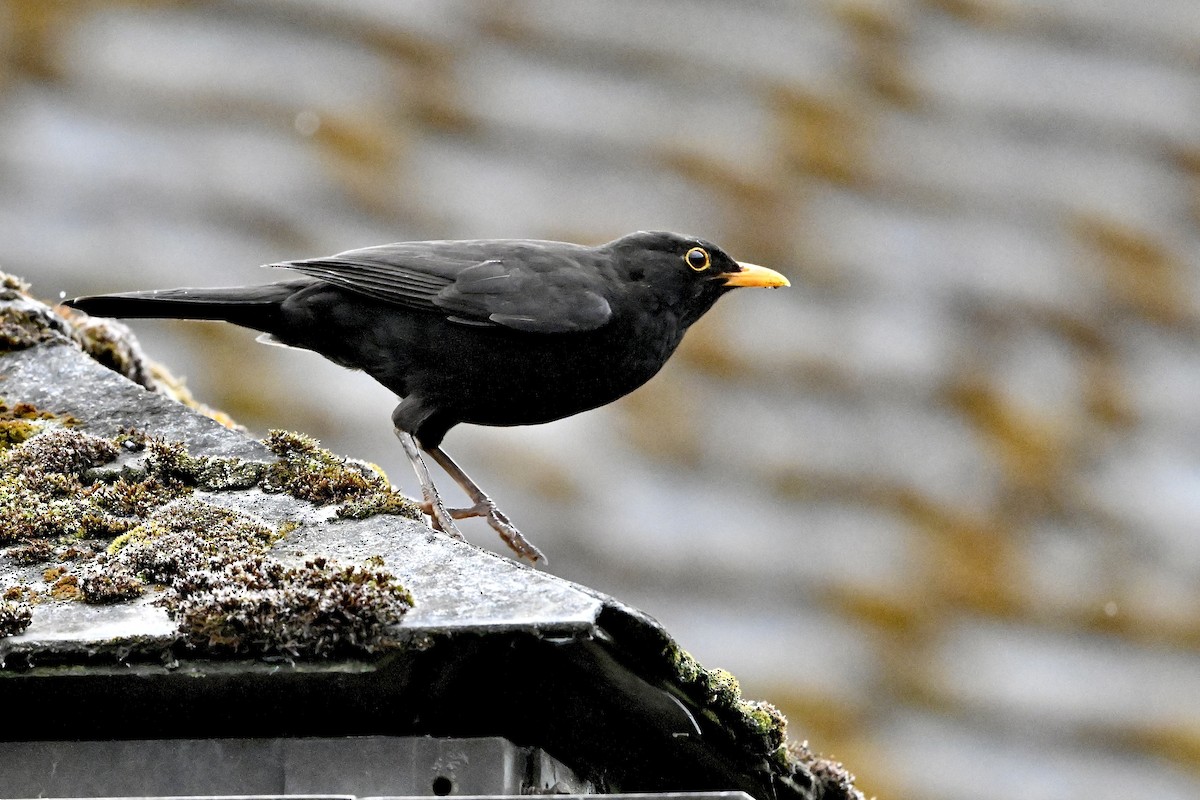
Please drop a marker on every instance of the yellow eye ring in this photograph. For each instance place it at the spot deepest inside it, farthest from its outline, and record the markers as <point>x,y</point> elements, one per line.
<point>698,259</point>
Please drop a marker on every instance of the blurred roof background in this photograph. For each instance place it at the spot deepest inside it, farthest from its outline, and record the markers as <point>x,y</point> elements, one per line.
<point>939,501</point>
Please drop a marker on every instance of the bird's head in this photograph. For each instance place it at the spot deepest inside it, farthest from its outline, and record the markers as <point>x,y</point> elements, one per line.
<point>689,273</point>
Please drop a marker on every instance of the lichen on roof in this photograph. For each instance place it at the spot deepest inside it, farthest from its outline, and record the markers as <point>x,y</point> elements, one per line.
<point>127,510</point>
<point>228,595</point>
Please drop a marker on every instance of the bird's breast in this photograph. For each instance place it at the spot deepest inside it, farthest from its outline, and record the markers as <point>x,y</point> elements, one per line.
<point>521,379</point>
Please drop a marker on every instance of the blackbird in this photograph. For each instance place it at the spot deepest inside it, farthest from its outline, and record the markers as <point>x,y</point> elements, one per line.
<point>489,332</point>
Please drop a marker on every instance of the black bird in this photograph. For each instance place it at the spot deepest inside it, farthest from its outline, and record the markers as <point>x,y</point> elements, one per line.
<point>489,332</point>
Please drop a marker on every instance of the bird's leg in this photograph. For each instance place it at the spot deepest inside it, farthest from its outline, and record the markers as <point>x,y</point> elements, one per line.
<point>486,507</point>
<point>433,506</point>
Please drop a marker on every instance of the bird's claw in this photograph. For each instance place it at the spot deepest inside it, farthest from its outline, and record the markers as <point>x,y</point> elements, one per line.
<point>442,517</point>
<point>496,518</point>
<point>511,536</point>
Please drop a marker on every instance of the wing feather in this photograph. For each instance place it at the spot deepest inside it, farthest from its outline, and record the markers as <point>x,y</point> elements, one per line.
<point>521,285</point>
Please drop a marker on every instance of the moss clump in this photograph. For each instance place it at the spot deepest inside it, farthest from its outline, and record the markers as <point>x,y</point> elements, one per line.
<point>808,768</point>
<point>309,472</point>
<point>190,536</point>
<point>228,595</point>
<point>20,421</point>
<point>23,326</point>
<point>43,494</point>
<point>15,617</point>
<point>759,727</point>
<point>708,687</point>
<point>264,606</point>
<point>203,472</point>
<point>110,584</point>
<point>32,552</point>
<point>304,470</point>
<point>59,451</point>
<point>761,721</point>
<point>135,522</point>
<point>379,502</point>
<point>56,483</point>
<point>12,287</point>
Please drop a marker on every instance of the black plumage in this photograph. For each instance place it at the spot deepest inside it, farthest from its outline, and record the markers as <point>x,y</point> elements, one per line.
<point>488,332</point>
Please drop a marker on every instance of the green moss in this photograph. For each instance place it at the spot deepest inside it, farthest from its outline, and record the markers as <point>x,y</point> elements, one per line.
<point>56,483</point>
<point>42,493</point>
<point>15,431</point>
<point>188,536</point>
<point>35,551</point>
<point>137,522</point>
<point>58,452</point>
<point>759,727</point>
<point>381,502</point>
<point>203,472</point>
<point>263,606</point>
<point>12,287</point>
<point>309,472</point>
<point>227,595</point>
<point>763,724</point>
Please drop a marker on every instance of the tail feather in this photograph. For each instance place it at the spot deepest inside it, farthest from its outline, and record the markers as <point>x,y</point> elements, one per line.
<point>254,307</point>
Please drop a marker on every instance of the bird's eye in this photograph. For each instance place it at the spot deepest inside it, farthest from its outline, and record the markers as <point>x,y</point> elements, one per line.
<point>697,258</point>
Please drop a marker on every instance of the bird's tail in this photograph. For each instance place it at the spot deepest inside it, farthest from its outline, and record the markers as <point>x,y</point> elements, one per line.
<point>254,307</point>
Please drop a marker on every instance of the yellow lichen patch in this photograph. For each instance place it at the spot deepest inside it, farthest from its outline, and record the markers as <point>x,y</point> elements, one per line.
<point>1141,273</point>
<point>1177,743</point>
<point>822,137</point>
<point>1034,452</point>
<point>880,39</point>
<point>904,616</point>
<point>974,560</point>
<point>984,13</point>
<point>66,587</point>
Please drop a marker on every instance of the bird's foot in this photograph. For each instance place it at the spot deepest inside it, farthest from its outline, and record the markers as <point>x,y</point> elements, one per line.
<point>498,521</point>
<point>512,537</point>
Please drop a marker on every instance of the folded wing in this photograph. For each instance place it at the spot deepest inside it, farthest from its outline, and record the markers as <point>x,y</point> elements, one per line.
<point>472,283</point>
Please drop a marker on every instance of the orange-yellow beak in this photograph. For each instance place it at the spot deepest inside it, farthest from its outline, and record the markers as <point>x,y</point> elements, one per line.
<point>754,275</point>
